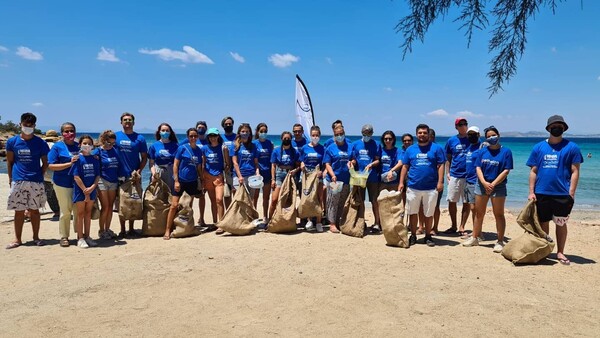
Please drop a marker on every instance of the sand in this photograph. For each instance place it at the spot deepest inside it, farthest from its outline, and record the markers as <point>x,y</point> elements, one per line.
<point>303,284</point>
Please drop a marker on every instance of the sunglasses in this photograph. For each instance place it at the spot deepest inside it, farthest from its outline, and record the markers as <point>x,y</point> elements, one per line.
<point>388,139</point>
<point>109,143</point>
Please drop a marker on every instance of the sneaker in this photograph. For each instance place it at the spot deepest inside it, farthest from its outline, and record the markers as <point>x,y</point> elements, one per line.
<point>319,227</point>
<point>310,226</point>
<point>498,247</point>
<point>91,242</point>
<point>429,241</point>
<point>481,238</point>
<point>412,240</point>
<point>376,228</point>
<point>82,243</point>
<point>471,241</point>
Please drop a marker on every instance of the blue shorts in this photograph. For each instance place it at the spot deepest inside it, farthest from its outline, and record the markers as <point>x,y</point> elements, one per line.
<point>280,175</point>
<point>469,193</point>
<point>499,190</point>
<point>79,196</point>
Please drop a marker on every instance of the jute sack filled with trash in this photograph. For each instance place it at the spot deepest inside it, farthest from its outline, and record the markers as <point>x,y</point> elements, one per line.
<point>240,214</point>
<point>310,205</point>
<point>284,218</point>
<point>184,219</point>
<point>532,246</point>
<point>130,198</point>
<point>353,216</point>
<point>157,200</point>
<point>391,214</point>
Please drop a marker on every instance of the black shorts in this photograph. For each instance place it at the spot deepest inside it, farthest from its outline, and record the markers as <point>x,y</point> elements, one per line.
<point>550,205</point>
<point>190,187</point>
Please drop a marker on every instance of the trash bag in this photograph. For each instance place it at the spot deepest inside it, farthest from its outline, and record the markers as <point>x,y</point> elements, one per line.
<point>310,204</point>
<point>353,217</point>
<point>240,214</point>
<point>157,200</point>
<point>130,198</point>
<point>184,219</point>
<point>391,214</point>
<point>284,218</point>
<point>532,246</point>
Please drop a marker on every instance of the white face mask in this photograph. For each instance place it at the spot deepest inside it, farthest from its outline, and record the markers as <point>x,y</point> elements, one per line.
<point>315,139</point>
<point>86,148</point>
<point>27,130</point>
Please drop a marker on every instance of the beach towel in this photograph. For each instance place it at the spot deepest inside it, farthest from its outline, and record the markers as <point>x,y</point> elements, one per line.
<point>184,219</point>
<point>391,214</point>
<point>353,216</point>
<point>310,205</point>
<point>240,214</point>
<point>284,218</point>
<point>130,198</point>
<point>157,200</point>
<point>532,246</point>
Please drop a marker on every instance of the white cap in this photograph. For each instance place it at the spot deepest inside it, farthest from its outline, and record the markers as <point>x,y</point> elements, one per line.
<point>473,128</point>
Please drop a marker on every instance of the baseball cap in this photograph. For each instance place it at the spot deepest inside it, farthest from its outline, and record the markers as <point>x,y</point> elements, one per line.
<point>213,131</point>
<point>474,129</point>
<point>367,128</point>
<point>458,120</point>
<point>556,119</point>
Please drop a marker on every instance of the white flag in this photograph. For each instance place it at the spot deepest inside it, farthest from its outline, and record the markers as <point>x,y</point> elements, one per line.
<point>304,110</point>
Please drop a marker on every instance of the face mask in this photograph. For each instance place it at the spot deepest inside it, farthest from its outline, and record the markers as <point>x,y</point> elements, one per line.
<point>244,136</point>
<point>340,138</point>
<point>556,131</point>
<point>201,131</point>
<point>473,138</point>
<point>164,135</point>
<point>228,129</point>
<point>492,140</point>
<point>27,130</point>
<point>86,148</point>
<point>366,138</point>
<point>286,142</point>
<point>68,136</point>
<point>315,140</point>
<point>262,136</point>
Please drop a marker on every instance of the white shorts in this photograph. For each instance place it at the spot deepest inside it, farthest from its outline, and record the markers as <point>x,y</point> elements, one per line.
<point>456,189</point>
<point>414,199</point>
<point>26,195</point>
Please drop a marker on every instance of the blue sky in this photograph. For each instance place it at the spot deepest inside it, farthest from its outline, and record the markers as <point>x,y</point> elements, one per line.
<point>183,61</point>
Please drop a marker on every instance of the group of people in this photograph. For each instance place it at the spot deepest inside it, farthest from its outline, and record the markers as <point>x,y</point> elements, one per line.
<point>214,163</point>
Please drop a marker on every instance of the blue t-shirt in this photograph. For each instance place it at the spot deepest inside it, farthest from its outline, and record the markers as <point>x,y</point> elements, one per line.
<point>494,161</point>
<point>228,140</point>
<point>264,149</point>
<point>245,159</point>
<point>163,153</point>
<point>189,160</point>
<point>338,156</point>
<point>87,168</point>
<point>553,162</point>
<point>457,147</point>
<point>470,157</point>
<point>27,156</point>
<point>423,164</point>
<point>388,159</point>
<point>130,147</point>
<point>299,144</point>
<point>213,159</point>
<point>111,167</point>
<point>312,156</point>
<point>284,157</point>
<point>365,153</point>
<point>59,154</point>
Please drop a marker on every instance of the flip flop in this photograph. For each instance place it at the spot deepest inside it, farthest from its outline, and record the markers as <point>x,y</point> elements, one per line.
<point>64,242</point>
<point>13,245</point>
<point>564,261</point>
<point>166,238</point>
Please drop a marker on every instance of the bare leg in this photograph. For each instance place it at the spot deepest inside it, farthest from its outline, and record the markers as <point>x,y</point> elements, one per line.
<point>219,190</point>
<point>480,205</point>
<point>213,204</point>
<point>413,220</point>
<point>87,221</point>
<point>421,221</point>
<point>171,216</point>
<point>266,197</point>
<point>498,208</point>
<point>201,206</point>
<point>34,217</point>
<point>19,220</point>
<point>452,210</point>
<point>80,217</point>
<point>274,198</point>
<point>103,197</point>
<point>464,216</point>
<point>561,241</point>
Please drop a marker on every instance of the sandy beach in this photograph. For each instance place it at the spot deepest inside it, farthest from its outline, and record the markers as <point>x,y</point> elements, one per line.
<point>303,284</point>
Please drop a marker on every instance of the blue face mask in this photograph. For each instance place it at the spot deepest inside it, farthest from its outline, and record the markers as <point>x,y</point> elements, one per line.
<point>164,134</point>
<point>366,138</point>
<point>492,140</point>
<point>340,138</point>
<point>244,136</point>
<point>262,136</point>
<point>201,131</point>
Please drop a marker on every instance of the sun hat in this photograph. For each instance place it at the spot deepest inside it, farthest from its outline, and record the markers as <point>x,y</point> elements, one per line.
<point>367,128</point>
<point>556,119</point>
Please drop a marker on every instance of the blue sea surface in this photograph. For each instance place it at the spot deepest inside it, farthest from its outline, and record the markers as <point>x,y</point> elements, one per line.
<point>588,189</point>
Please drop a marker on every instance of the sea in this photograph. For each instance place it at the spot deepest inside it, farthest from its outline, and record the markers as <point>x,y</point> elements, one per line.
<point>588,190</point>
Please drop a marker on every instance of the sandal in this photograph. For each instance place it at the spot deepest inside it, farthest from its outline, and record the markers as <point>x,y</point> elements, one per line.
<point>564,261</point>
<point>333,229</point>
<point>166,238</point>
<point>13,245</point>
<point>64,242</point>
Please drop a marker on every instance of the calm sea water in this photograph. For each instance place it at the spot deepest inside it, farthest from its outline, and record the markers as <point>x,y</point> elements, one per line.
<point>588,191</point>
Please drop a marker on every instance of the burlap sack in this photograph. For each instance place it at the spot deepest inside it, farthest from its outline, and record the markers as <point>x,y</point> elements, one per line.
<point>157,200</point>
<point>240,214</point>
<point>353,217</point>
<point>310,204</point>
<point>130,198</point>
<point>391,214</point>
<point>184,219</point>
<point>96,209</point>
<point>284,218</point>
<point>532,246</point>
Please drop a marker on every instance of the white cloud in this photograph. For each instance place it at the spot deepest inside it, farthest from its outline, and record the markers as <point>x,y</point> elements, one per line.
<point>466,113</point>
<point>107,54</point>
<point>282,61</point>
<point>439,112</point>
<point>553,49</point>
<point>37,104</point>
<point>328,60</point>
<point>387,89</point>
<point>28,54</point>
<point>189,55</point>
<point>237,57</point>
<point>3,49</point>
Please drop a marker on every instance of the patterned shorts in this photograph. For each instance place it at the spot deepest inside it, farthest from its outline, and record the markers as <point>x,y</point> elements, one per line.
<point>25,195</point>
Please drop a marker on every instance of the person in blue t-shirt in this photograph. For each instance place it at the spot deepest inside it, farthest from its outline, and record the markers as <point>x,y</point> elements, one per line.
<point>555,165</point>
<point>213,165</point>
<point>424,164</point>
<point>133,150</point>
<point>456,174</point>
<point>471,178</point>
<point>202,141</point>
<point>336,160</point>
<point>311,159</point>
<point>229,141</point>
<point>86,174</point>
<point>60,159</point>
<point>186,173</point>
<point>284,161</point>
<point>264,148</point>
<point>365,157</point>
<point>493,164</point>
<point>162,154</point>
<point>26,162</point>
<point>245,157</point>
<point>390,158</point>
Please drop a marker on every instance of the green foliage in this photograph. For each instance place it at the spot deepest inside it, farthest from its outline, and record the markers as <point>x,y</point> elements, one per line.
<point>10,127</point>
